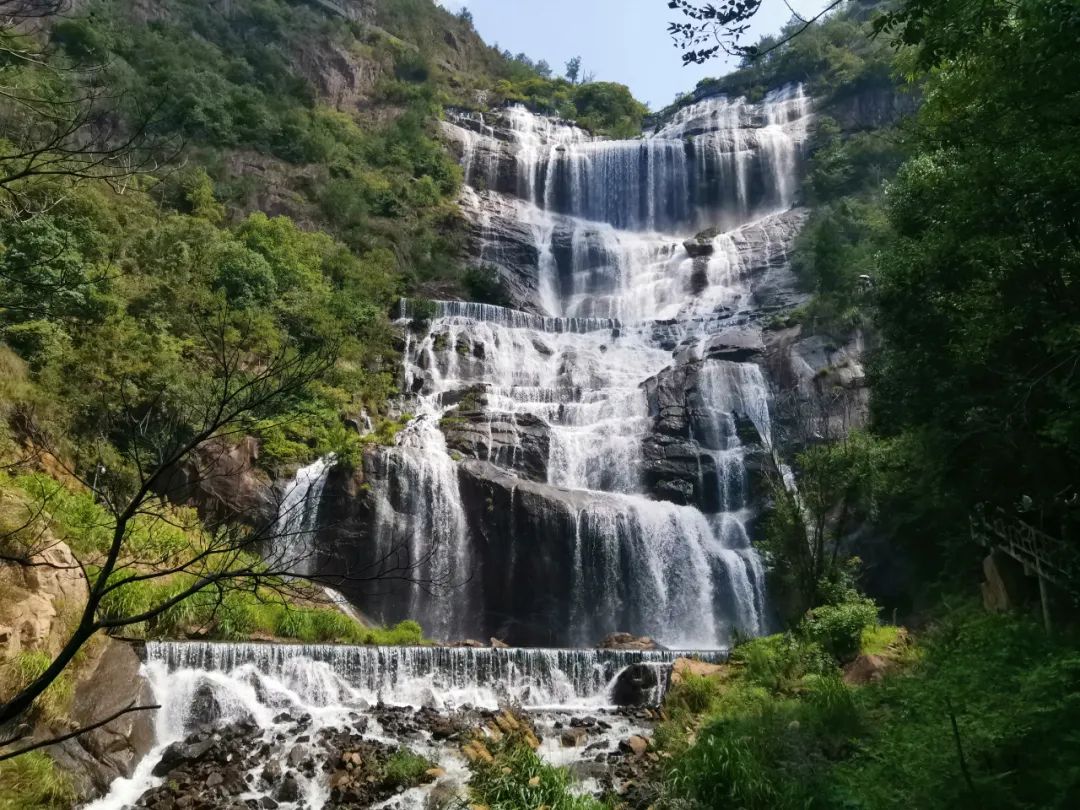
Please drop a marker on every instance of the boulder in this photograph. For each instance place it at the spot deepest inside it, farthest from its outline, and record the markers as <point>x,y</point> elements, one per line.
<point>112,681</point>
<point>1004,585</point>
<point>701,245</point>
<point>289,789</point>
<point>628,641</point>
<point>636,685</point>
<point>205,707</point>
<point>636,745</point>
<point>182,753</point>
<point>574,737</point>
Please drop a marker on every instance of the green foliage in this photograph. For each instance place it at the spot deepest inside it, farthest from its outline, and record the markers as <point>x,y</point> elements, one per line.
<point>519,777</point>
<point>695,693</point>
<point>779,663</point>
<point>839,628</point>
<point>405,768</point>
<point>604,108</point>
<point>835,59</point>
<point>609,109</point>
<point>806,739</point>
<point>404,633</point>
<point>762,752</point>
<point>839,482</point>
<point>1013,691</point>
<point>23,668</point>
<point>976,294</point>
<point>34,782</point>
<point>878,639</point>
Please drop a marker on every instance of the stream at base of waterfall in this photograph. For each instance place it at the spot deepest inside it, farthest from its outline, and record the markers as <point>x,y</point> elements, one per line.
<point>266,726</point>
<point>576,465</point>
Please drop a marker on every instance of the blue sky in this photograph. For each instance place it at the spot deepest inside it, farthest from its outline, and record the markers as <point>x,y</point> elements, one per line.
<point>619,40</point>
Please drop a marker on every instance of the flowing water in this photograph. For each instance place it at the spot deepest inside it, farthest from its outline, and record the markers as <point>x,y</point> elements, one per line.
<point>545,524</point>
<point>331,687</point>
<point>618,300</point>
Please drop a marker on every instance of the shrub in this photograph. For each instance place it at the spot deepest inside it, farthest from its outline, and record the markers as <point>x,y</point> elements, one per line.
<point>838,628</point>
<point>779,662</point>
<point>519,778</point>
<point>404,768</point>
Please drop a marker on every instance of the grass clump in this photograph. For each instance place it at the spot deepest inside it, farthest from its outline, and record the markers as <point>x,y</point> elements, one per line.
<point>405,768</point>
<point>24,668</point>
<point>34,782</point>
<point>515,776</point>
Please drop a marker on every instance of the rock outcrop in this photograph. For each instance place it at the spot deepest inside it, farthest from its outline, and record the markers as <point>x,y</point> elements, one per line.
<point>517,441</point>
<point>628,641</point>
<point>96,759</point>
<point>223,482</point>
<point>638,685</point>
<point>39,600</point>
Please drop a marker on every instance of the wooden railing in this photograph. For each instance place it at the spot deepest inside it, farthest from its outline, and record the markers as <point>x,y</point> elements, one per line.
<point>1054,562</point>
<point>333,7</point>
<point>1041,554</point>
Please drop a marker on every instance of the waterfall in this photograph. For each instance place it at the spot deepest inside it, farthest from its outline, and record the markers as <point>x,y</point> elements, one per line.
<point>291,694</point>
<point>415,676</point>
<point>293,545</point>
<point>718,162</point>
<point>598,509</point>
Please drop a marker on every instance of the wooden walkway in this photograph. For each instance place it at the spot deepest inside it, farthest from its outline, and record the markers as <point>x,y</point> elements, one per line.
<point>1051,560</point>
<point>334,8</point>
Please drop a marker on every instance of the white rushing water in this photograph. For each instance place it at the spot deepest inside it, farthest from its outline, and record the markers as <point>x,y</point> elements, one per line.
<point>616,292</point>
<point>293,547</point>
<point>273,685</point>
<point>580,545</point>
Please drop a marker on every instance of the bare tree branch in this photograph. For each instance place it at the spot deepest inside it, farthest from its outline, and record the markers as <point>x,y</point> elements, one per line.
<point>70,735</point>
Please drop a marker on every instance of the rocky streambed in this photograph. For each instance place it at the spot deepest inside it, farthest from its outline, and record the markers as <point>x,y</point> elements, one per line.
<point>292,726</point>
<point>392,757</point>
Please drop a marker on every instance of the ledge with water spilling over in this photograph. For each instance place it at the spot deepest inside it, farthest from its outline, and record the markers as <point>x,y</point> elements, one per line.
<point>419,676</point>
<point>588,460</point>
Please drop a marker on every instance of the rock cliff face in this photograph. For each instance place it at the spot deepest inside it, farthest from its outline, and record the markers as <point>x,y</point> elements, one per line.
<point>96,759</point>
<point>38,599</point>
<point>38,602</point>
<point>223,481</point>
<point>592,459</point>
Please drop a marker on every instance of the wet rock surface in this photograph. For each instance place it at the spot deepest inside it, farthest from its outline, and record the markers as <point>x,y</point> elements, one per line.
<point>240,765</point>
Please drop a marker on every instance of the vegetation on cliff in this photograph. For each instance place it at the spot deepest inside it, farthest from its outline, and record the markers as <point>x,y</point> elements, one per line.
<point>945,240</point>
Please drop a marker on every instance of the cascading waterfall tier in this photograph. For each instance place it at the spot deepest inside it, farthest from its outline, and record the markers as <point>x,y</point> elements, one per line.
<point>417,676</point>
<point>718,163</point>
<point>583,462</point>
<point>288,698</point>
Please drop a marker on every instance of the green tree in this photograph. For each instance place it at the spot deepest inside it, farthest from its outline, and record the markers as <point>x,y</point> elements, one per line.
<point>977,298</point>
<point>573,69</point>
